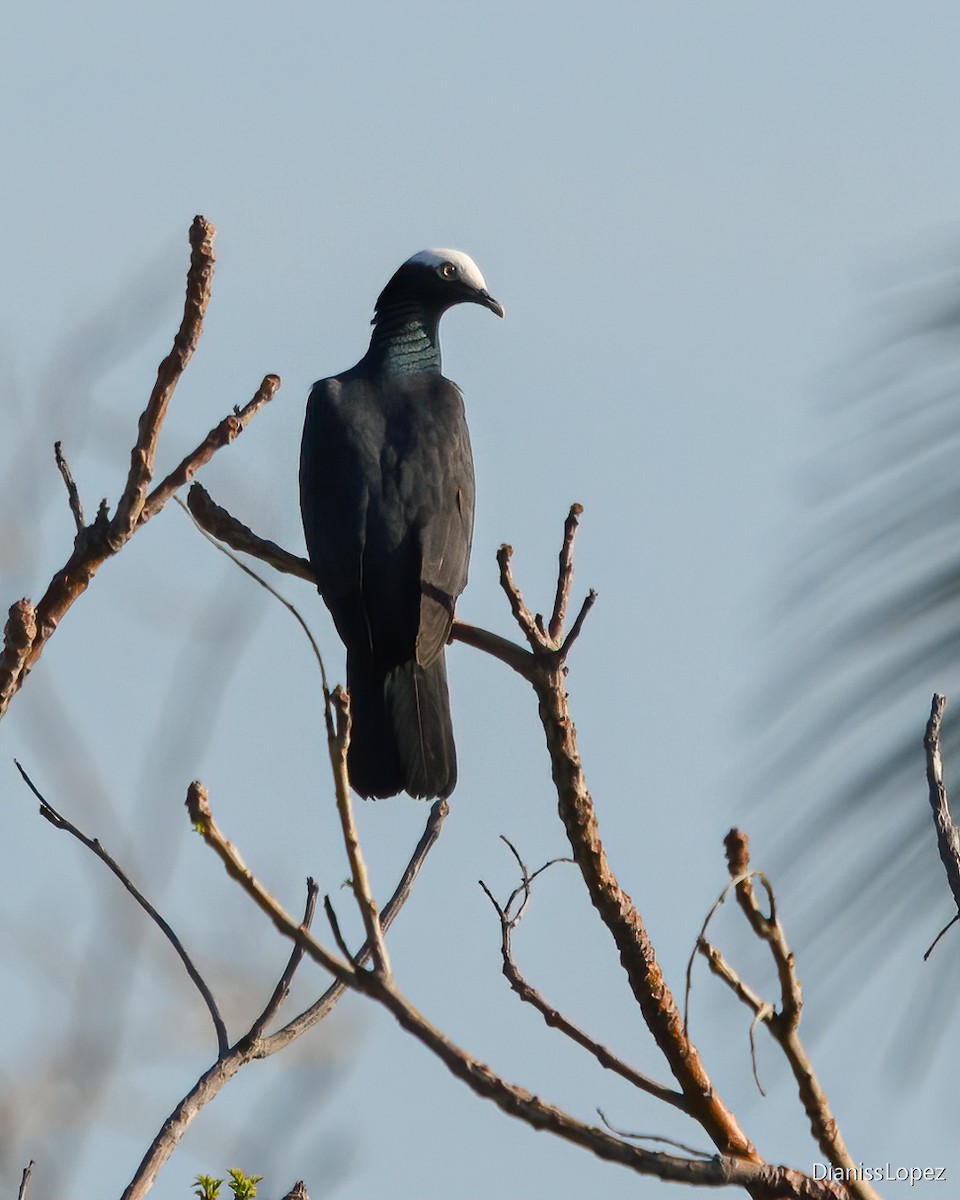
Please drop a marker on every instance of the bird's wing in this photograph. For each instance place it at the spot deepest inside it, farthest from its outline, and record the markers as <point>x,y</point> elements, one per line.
<point>387,495</point>
<point>334,500</point>
<point>446,519</point>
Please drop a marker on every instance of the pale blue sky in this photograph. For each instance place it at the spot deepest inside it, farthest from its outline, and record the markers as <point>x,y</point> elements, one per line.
<point>684,209</point>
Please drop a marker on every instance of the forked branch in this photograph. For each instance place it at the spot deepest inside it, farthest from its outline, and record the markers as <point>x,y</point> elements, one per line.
<point>543,665</point>
<point>510,915</point>
<point>616,909</point>
<point>783,1022</point>
<point>760,1179</point>
<point>28,629</point>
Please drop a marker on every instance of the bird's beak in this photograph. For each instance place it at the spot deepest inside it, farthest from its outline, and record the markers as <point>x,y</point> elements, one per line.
<point>484,298</point>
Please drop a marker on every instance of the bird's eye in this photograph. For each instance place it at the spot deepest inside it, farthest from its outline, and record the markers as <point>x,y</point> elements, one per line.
<point>448,270</point>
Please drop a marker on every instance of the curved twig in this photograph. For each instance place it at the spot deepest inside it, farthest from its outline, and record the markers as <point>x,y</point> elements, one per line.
<point>49,813</point>
<point>551,1015</point>
<point>227,1064</point>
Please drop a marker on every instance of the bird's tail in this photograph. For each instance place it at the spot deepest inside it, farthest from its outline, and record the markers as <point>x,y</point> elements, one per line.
<point>418,705</point>
<point>402,734</point>
<point>372,760</point>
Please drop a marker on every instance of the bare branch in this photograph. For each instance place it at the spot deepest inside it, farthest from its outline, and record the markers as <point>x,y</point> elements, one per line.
<point>97,542</point>
<point>176,1125</point>
<point>19,634</point>
<point>198,806</point>
<point>723,970</point>
<point>25,1181</point>
<point>219,524</point>
<point>49,813</point>
<point>565,572</point>
<point>524,886</point>
<point>762,1011</point>
<point>702,936</point>
<point>783,1024</point>
<point>949,925</point>
<point>948,835</point>
<point>521,614</point>
<point>317,1011</point>
<point>652,1137</point>
<point>615,907</point>
<point>338,745</point>
<point>226,528</point>
<point>588,603</point>
<point>254,1045</point>
<point>228,430</point>
<point>282,990</point>
<point>199,281</point>
<point>334,922</point>
<point>73,496</point>
<point>552,1016</point>
<point>291,608</point>
<point>762,1179</point>
<point>514,656</point>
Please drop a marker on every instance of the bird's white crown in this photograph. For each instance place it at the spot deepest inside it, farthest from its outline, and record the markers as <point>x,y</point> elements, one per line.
<point>469,271</point>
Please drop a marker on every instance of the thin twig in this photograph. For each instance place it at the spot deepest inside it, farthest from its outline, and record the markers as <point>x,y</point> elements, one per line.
<point>551,1015</point>
<point>49,813</point>
<point>783,1025</point>
<point>198,806</point>
<point>227,431</point>
<point>73,496</point>
<point>565,572</point>
<point>723,970</point>
<point>255,1046</point>
<point>526,879</point>
<point>949,925</point>
<point>948,835</point>
<point>290,607</point>
<point>702,938</point>
<point>589,600</point>
<point>199,282</point>
<point>757,1020</point>
<point>762,1011</point>
<point>334,923</point>
<point>358,870</point>
<point>521,614</point>
<point>317,1011</point>
<point>282,990</point>
<point>652,1137</point>
<point>25,1181</point>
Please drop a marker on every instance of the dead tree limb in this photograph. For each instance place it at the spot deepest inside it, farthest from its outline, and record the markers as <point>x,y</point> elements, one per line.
<point>948,835</point>
<point>29,628</point>
<point>543,665</point>
<point>761,1179</point>
<point>256,1043</point>
<point>509,919</point>
<point>782,1023</point>
<point>49,813</point>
